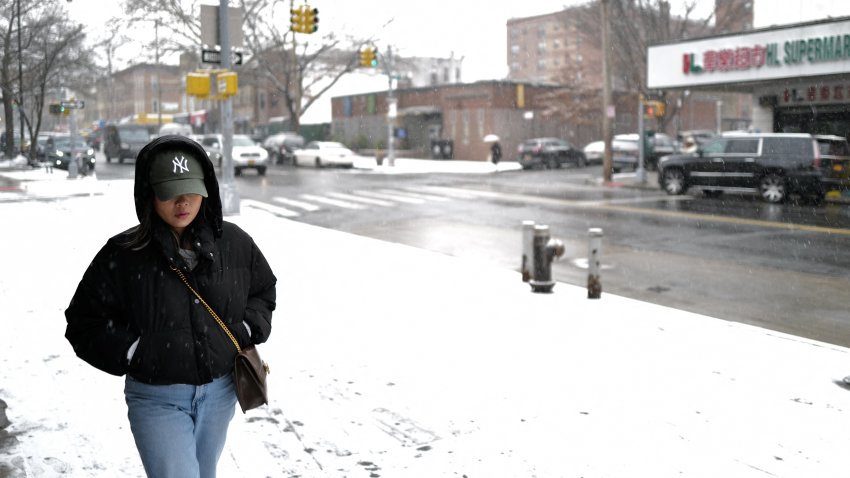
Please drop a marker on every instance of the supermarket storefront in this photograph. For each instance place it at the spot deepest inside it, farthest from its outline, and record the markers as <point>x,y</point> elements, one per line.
<point>798,75</point>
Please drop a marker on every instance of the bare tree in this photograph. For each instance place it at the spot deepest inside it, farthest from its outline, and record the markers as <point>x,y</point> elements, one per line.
<point>637,24</point>
<point>51,54</point>
<point>112,38</point>
<point>634,25</point>
<point>298,68</point>
<point>56,58</point>
<point>179,17</point>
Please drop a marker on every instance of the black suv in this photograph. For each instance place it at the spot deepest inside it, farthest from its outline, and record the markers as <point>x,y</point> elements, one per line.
<point>549,153</point>
<point>771,164</point>
<point>835,162</point>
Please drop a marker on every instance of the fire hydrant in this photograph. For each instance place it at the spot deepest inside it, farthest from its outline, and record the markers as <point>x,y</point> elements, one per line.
<point>545,250</point>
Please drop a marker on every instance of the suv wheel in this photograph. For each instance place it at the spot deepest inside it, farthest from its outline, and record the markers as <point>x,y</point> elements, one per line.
<point>674,181</point>
<point>772,188</point>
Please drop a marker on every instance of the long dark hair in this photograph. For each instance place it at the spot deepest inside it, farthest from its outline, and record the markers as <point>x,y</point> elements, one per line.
<point>139,236</point>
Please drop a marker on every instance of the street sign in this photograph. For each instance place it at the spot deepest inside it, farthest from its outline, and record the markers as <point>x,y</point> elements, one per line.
<point>78,104</point>
<point>214,56</point>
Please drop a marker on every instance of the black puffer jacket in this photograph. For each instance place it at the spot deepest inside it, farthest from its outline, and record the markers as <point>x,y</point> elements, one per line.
<point>129,291</point>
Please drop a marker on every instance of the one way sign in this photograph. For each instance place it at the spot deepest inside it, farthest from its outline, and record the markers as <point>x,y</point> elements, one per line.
<point>214,56</point>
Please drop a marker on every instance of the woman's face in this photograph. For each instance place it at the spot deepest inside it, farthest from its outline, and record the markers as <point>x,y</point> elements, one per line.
<point>178,212</point>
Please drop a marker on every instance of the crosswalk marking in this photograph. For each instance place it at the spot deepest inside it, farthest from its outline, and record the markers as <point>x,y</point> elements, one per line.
<point>332,202</point>
<point>427,197</point>
<point>350,197</point>
<point>416,195</point>
<point>451,192</point>
<point>391,197</point>
<point>278,211</point>
<point>299,204</point>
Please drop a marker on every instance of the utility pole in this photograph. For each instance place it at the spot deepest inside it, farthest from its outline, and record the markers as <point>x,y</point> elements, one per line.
<point>20,86</point>
<point>607,107</point>
<point>158,77</point>
<point>229,192</point>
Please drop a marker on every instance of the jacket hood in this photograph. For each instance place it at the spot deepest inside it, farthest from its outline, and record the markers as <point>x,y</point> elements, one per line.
<point>143,190</point>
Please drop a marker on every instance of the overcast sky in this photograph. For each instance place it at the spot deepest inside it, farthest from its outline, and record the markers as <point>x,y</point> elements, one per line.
<point>461,27</point>
<point>441,28</point>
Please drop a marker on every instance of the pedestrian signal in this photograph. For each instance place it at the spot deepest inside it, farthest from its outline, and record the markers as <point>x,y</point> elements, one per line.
<point>654,109</point>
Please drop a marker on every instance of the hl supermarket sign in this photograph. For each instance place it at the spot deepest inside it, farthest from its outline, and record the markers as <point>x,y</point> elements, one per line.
<point>812,50</point>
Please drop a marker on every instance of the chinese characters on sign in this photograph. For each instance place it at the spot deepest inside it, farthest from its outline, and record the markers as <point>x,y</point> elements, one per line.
<point>811,50</point>
<point>816,93</point>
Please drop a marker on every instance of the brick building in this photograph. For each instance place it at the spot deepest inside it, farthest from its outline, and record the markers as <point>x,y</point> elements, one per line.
<point>461,113</point>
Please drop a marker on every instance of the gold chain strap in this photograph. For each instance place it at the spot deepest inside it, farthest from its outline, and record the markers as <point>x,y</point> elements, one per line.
<point>209,309</point>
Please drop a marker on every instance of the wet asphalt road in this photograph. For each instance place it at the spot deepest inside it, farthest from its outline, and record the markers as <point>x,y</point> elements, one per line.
<point>783,267</point>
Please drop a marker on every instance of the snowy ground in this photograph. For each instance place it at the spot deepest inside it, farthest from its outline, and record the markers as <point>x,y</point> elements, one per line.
<point>396,362</point>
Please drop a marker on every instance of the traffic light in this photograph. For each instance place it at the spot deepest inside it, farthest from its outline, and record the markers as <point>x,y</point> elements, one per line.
<point>311,20</point>
<point>368,57</point>
<point>296,19</point>
<point>304,19</point>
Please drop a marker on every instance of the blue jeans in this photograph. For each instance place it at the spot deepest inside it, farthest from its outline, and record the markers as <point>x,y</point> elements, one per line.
<point>180,430</point>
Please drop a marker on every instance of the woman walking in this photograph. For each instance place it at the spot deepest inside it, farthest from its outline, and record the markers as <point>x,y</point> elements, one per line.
<point>132,315</point>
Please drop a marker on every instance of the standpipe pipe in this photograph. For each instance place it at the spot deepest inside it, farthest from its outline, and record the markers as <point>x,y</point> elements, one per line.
<point>527,250</point>
<point>546,249</point>
<point>594,283</point>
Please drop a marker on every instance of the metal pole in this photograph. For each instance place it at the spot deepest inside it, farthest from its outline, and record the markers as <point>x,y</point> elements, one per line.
<point>640,171</point>
<point>229,192</point>
<point>73,166</point>
<point>390,100</point>
<point>594,283</point>
<point>20,88</point>
<point>719,114</point>
<point>527,250</point>
<point>158,78</point>
<point>607,163</point>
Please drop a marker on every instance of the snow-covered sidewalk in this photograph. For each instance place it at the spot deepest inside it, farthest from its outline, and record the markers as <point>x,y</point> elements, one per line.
<point>396,362</point>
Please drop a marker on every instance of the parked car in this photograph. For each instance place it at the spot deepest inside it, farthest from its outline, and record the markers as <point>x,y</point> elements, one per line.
<point>699,136</point>
<point>324,153</point>
<point>175,128</point>
<point>246,153</point>
<point>773,165</point>
<point>57,150</point>
<point>281,146</point>
<point>835,162</point>
<point>627,154</point>
<point>624,152</point>
<point>124,141</point>
<point>549,153</point>
<point>660,145</point>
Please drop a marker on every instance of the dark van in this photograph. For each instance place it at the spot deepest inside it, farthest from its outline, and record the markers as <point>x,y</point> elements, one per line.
<point>122,141</point>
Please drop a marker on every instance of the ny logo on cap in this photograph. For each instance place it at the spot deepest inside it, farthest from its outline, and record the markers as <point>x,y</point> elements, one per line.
<point>181,163</point>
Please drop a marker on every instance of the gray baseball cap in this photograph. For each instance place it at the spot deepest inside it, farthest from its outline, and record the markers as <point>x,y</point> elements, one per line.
<point>175,172</point>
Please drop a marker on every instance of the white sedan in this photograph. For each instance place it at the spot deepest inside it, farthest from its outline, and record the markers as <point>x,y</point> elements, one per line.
<point>324,153</point>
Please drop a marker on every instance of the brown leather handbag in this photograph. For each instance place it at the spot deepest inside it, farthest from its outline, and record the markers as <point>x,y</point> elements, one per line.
<point>249,370</point>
